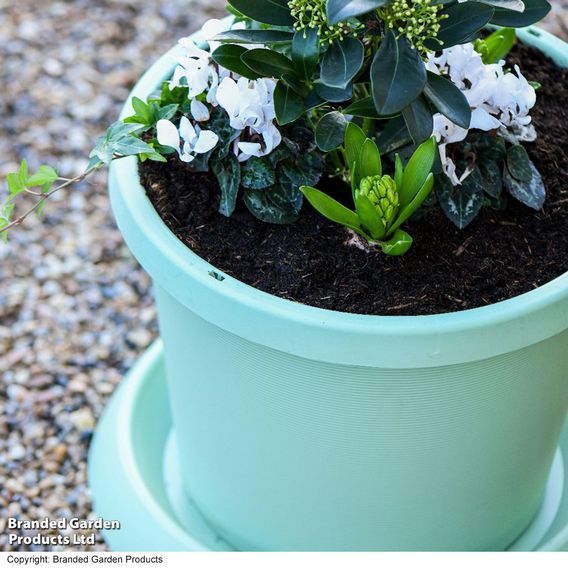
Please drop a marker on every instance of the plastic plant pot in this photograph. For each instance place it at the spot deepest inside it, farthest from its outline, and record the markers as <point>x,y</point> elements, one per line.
<point>306,429</point>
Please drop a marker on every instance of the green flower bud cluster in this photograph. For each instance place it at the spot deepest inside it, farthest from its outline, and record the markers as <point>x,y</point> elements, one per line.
<point>312,14</point>
<point>382,192</point>
<point>417,20</point>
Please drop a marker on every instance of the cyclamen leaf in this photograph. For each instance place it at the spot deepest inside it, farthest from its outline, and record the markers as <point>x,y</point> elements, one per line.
<point>492,177</point>
<point>330,131</point>
<point>519,163</point>
<point>448,99</point>
<point>260,205</point>
<point>462,203</point>
<point>339,10</point>
<point>341,62</point>
<point>274,12</point>
<point>531,193</point>
<point>228,174</point>
<point>398,75</point>
<point>257,173</point>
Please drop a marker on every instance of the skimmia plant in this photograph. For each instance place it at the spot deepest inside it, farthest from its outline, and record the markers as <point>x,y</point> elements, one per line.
<point>286,93</point>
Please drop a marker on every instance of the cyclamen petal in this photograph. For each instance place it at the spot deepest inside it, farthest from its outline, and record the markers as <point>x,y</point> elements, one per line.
<point>187,131</point>
<point>167,134</point>
<point>206,141</point>
<point>199,111</point>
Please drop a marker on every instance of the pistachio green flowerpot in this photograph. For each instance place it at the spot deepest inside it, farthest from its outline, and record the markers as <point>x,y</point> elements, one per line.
<point>305,429</point>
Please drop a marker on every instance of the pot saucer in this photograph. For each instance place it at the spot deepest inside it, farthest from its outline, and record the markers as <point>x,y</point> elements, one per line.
<point>133,476</point>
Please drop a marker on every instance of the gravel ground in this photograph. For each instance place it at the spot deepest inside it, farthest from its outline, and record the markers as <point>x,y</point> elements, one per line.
<point>75,309</point>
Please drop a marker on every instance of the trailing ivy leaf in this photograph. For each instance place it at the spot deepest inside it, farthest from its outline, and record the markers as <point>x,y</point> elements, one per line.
<point>448,99</point>
<point>419,120</point>
<point>305,52</point>
<point>398,75</point>
<point>5,219</point>
<point>492,177</point>
<point>398,244</point>
<point>228,174</point>
<point>260,205</point>
<point>341,62</point>
<point>363,108</point>
<point>535,10</point>
<point>339,10</point>
<point>119,140</point>
<point>268,63</point>
<point>394,136</point>
<point>462,203</point>
<point>462,21</point>
<point>255,36</point>
<point>274,12</point>
<point>257,173</point>
<point>288,105</point>
<point>519,163</point>
<point>229,57</point>
<point>531,193</point>
<point>330,131</point>
<point>332,94</point>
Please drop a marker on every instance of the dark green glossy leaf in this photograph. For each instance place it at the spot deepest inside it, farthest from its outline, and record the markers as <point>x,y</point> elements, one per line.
<point>257,173</point>
<point>268,63</point>
<point>363,108</point>
<point>228,174</point>
<point>229,57</point>
<point>339,10</point>
<point>535,10</point>
<point>259,204</point>
<point>394,136</point>
<point>448,99</point>
<point>255,36</point>
<point>419,120</point>
<point>274,12</point>
<point>398,75</point>
<point>305,52</point>
<point>519,163</point>
<point>330,131</point>
<point>288,105</point>
<point>463,20</point>
<point>341,62</point>
<point>531,193</point>
<point>332,94</point>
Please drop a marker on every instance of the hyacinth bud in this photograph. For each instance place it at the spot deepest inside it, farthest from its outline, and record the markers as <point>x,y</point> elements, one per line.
<point>381,191</point>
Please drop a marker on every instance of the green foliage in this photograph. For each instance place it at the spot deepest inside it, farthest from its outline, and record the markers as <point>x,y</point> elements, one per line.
<point>267,63</point>
<point>535,10</point>
<point>274,12</point>
<point>382,204</point>
<point>340,10</point>
<point>496,46</point>
<point>448,99</point>
<point>229,57</point>
<point>341,62</point>
<point>330,131</point>
<point>147,115</point>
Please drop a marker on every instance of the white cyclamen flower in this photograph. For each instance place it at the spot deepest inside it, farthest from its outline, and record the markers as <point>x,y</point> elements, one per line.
<point>250,106</point>
<point>187,140</point>
<point>499,100</point>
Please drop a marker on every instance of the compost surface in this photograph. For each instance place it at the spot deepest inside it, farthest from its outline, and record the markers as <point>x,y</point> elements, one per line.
<point>502,254</point>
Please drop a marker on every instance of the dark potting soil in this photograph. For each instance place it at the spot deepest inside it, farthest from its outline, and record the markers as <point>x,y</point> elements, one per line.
<point>502,254</point>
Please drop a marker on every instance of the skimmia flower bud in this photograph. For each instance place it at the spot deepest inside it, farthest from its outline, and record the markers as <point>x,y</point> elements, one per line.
<point>382,192</point>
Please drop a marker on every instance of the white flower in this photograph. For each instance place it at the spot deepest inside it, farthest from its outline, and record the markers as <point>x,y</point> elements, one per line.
<point>187,140</point>
<point>250,106</point>
<point>499,100</point>
<point>214,27</point>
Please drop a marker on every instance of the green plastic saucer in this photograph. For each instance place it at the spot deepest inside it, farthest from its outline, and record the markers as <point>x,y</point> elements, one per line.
<point>133,476</point>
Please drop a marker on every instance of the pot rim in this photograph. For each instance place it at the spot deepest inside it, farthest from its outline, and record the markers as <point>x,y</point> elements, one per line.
<point>317,333</point>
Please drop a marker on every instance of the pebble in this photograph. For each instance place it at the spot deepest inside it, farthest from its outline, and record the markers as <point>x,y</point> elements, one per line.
<point>75,309</point>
